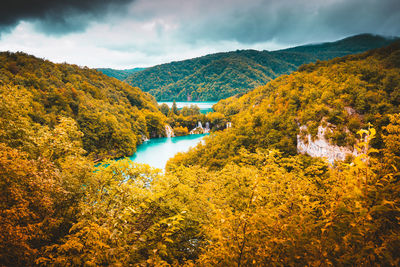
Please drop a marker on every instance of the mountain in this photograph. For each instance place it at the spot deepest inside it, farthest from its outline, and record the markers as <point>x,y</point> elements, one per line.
<point>119,74</point>
<point>303,210</point>
<point>243,197</point>
<point>342,96</point>
<point>221,75</point>
<point>351,45</point>
<point>113,116</point>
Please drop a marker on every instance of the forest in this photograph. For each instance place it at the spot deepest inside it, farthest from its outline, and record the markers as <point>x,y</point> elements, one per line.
<point>243,198</point>
<point>112,116</point>
<point>119,74</point>
<point>218,76</point>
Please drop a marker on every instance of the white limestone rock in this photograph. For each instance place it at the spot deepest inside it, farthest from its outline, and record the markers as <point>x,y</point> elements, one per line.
<point>320,146</point>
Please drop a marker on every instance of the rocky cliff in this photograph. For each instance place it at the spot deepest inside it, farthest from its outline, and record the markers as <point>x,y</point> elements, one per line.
<point>320,146</point>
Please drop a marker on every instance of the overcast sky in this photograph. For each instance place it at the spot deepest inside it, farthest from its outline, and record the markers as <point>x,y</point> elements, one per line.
<point>141,33</point>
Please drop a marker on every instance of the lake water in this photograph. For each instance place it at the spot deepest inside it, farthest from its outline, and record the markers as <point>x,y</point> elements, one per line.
<point>205,107</point>
<point>156,152</point>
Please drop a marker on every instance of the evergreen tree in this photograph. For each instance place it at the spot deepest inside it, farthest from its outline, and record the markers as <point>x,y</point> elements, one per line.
<point>175,108</point>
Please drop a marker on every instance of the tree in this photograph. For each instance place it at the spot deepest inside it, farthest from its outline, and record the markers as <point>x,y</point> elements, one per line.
<point>180,131</point>
<point>155,124</point>
<point>175,108</point>
<point>392,143</point>
<point>126,219</point>
<point>164,109</point>
<point>217,120</point>
<point>29,195</point>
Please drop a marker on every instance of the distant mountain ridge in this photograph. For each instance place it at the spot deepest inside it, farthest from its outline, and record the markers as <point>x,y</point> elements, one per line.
<point>119,74</point>
<point>350,45</point>
<point>221,75</point>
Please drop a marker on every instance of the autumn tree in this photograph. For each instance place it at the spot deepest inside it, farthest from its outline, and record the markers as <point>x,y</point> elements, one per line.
<point>164,108</point>
<point>29,219</point>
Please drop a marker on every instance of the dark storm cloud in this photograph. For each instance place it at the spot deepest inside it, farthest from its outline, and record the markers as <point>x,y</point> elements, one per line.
<point>128,33</point>
<point>247,22</point>
<point>380,16</point>
<point>288,21</point>
<point>56,16</point>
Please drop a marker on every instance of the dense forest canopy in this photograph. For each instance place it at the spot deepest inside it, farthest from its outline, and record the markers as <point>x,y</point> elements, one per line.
<point>221,75</point>
<point>119,74</point>
<point>344,94</point>
<point>244,198</point>
<point>113,116</point>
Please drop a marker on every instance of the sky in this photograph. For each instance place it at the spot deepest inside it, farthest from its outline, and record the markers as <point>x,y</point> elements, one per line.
<point>125,34</point>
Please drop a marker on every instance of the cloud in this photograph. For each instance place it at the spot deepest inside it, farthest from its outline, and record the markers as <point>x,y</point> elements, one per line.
<point>288,21</point>
<point>57,16</point>
<point>143,33</point>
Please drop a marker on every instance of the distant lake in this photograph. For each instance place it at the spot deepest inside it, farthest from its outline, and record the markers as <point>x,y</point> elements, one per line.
<point>205,106</point>
<point>156,152</point>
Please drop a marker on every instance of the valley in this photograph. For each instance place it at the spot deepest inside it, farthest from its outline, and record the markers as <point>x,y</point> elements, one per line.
<point>217,76</point>
<point>289,158</point>
<point>157,151</point>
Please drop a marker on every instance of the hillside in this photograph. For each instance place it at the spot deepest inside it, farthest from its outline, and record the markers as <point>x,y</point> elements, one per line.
<point>351,45</point>
<point>259,190</point>
<point>113,116</point>
<point>244,197</point>
<point>221,75</point>
<point>344,94</point>
<point>119,74</point>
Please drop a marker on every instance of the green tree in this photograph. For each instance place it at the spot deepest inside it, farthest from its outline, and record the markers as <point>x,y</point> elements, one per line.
<point>175,108</point>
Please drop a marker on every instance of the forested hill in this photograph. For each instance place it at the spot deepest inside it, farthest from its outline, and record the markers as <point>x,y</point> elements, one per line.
<point>344,94</point>
<point>350,45</point>
<point>112,115</point>
<point>221,75</point>
<point>119,74</point>
<point>213,206</point>
<point>301,211</point>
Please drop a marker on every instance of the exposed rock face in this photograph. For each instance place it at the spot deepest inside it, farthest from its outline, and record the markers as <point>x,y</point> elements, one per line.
<point>169,132</point>
<point>321,147</point>
<point>199,130</point>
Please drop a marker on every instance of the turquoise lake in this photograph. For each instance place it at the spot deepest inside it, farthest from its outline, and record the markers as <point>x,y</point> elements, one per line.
<point>156,152</point>
<point>205,107</point>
